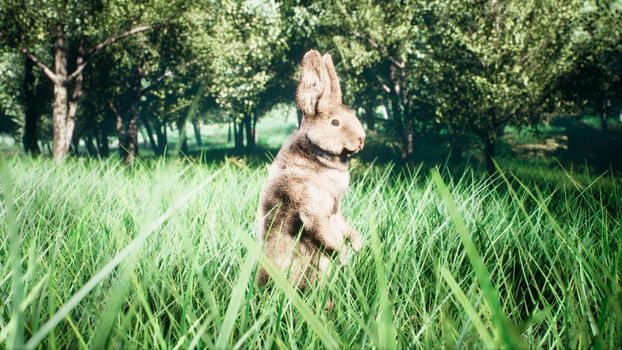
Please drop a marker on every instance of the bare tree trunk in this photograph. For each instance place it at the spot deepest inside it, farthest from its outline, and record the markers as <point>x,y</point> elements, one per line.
<point>134,115</point>
<point>75,98</point>
<point>64,110</point>
<point>255,135</point>
<point>162,138</point>
<point>152,141</point>
<point>127,130</point>
<point>119,127</point>
<point>183,138</point>
<point>370,117</point>
<point>408,138</point>
<point>74,146</point>
<point>91,150</point>
<point>489,153</point>
<point>250,133</point>
<point>239,136</point>
<point>104,148</point>
<point>131,138</point>
<point>31,113</point>
<point>229,126</point>
<point>197,132</point>
<point>400,117</point>
<point>60,144</point>
<point>603,115</point>
<point>400,110</point>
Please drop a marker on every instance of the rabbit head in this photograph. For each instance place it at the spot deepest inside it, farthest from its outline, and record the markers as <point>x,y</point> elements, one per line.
<point>327,123</point>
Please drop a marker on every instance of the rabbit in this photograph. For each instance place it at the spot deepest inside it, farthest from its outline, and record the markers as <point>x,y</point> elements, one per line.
<point>300,221</point>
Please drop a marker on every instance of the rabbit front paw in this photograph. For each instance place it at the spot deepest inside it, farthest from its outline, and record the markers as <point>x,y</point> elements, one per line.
<point>355,240</point>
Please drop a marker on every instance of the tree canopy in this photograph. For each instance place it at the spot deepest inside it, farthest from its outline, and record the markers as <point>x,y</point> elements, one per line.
<point>472,67</point>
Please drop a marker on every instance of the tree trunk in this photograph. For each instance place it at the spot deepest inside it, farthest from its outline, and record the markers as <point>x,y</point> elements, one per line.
<point>197,132</point>
<point>91,150</point>
<point>152,142</point>
<point>128,136</point>
<point>131,137</point>
<point>104,148</point>
<point>74,148</point>
<point>75,98</point>
<point>250,133</point>
<point>143,133</point>
<point>60,144</point>
<point>456,150</point>
<point>489,154</point>
<point>401,110</point>
<point>64,111</point>
<point>603,115</point>
<point>255,135</point>
<point>370,117</point>
<point>31,113</point>
<point>408,146</point>
<point>162,138</point>
<point>229,126</point>
<point>119,127</point>
<point>238,136</point>
<point>183,139</point>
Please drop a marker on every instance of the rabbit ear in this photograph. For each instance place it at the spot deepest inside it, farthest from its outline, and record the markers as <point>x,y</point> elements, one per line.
<point>314,89</point>
<point>334,80</point>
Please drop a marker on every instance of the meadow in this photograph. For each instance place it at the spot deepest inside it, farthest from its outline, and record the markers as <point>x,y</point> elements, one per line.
<point>163,255</point>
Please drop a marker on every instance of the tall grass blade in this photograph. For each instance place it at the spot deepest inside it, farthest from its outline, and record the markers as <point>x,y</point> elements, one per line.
<point>385,327</point>
<point>131,248</point>
<point>16,335</point>
<point>468,308</point>
<point>509,336</point>
<point>283,284</point>
<point>235,303</point>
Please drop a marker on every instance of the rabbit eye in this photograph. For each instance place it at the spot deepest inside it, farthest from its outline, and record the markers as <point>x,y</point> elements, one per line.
<point>335,122</point>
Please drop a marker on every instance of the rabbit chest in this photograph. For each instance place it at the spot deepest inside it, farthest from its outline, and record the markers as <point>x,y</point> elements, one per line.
<point>333,182</point>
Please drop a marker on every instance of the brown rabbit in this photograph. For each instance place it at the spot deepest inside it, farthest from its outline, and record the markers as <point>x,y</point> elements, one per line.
<point>300,220</point>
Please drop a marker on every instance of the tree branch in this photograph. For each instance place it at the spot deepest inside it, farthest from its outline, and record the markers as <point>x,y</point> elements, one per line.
<point>375,45</point>
<point>113,39</point>
<point>78,70</point>
<point>167,75</point>
<point>48,72</point>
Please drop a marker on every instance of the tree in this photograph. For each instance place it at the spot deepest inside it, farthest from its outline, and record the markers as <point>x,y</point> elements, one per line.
<point>498,64</point>
<point>79,31</point>
<point>596,78</point>
<point>11,110</point>
<point>245,50</point>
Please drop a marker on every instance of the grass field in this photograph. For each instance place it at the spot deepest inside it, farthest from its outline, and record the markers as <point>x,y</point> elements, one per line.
<point>163,255</point>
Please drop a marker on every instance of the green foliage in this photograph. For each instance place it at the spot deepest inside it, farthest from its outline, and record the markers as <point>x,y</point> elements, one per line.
<point>469,69</point>
<point>11,110</point>
<point>543,253</point>
<point>500,62</point>
<point>243,45</point>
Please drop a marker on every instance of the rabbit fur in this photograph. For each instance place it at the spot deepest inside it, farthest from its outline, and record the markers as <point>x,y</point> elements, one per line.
<point>300,220</point>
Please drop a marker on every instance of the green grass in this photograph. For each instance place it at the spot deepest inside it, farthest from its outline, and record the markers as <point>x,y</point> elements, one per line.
<point>163,255</point>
